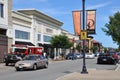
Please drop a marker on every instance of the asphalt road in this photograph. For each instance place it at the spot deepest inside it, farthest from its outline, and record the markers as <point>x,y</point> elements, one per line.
<point>55,70</point>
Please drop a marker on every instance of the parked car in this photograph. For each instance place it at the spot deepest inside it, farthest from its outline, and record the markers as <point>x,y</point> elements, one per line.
<point>32,62</point>
<point>89,56</point>
<point>71,56</point>
<point>11,58</point>
<point>114,55</point>
<point>97,54</point>
<point>79,55</point>
<point>118,55</point>
<point>104,58</point>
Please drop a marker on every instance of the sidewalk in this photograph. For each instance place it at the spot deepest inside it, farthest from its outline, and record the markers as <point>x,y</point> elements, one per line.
<point>5,68</point>
<point>94,75</point>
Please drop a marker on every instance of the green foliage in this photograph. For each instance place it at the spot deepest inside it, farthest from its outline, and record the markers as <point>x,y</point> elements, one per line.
<point>86,48</point>
<point>94,48</point>
<point>61,41</point>
<point>79,48</point>
<point>113,27</point>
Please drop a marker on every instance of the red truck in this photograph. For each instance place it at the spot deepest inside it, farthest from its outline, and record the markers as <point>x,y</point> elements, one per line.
<point>17,52</point>
<point>23,49</point>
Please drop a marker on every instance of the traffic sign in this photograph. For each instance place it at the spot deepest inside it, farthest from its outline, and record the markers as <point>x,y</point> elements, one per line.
<point>83,35</point>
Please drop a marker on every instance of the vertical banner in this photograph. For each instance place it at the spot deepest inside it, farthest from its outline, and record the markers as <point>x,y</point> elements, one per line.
<point>77,22</point>
<point>91,21</point>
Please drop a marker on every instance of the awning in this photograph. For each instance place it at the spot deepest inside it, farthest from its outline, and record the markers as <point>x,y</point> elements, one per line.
<point>47,45</point>
<point>40,44</point>
<point>24,43</point>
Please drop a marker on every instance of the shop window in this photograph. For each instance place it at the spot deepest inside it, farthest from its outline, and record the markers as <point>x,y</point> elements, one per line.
<point>47,38</point>
<point>22,35</point>
<point>39,37</point>
<point>1,10</point>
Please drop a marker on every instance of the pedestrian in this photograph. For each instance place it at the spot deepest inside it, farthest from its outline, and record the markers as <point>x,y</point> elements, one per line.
<point>45,55</point>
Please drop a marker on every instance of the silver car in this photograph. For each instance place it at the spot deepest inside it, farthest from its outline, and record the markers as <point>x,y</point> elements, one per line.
<point>89,56</point>
<point>32,62</point>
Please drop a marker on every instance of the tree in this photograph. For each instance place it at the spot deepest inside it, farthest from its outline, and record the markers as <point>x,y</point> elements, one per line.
<point>94,48</point>
<point>113,28</point>
<point>79,48</point>
<point>61,41</point>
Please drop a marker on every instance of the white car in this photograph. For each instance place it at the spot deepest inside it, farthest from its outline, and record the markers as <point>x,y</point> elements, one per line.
<point>32,62</point>
<point>89,56</point>
<point>79,55</point>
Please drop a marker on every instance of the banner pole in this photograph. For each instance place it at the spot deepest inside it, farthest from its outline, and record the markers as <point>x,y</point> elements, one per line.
<point>84,69</point>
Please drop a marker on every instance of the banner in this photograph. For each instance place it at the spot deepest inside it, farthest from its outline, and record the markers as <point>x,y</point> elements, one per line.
<point>91,21</point>
<point>77,22</point>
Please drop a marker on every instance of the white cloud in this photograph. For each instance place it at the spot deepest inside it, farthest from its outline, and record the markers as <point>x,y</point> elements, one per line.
<point>55,11</point>
<point>99,5</point>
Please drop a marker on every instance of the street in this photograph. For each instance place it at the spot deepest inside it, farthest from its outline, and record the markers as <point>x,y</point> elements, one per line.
<point>55,70</point>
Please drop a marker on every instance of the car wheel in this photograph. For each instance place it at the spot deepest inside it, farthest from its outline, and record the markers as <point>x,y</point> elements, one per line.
<point>46,65</point>
<point>73,58</point>
<point>6,64</point>
<point>17,69</point>
<point>34,67</point>
<point>98,62</point>
<point>115,62</point>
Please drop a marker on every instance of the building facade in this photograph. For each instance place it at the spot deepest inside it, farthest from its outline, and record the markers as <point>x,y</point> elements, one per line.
<point>32,27</point>
<point>5,27</point>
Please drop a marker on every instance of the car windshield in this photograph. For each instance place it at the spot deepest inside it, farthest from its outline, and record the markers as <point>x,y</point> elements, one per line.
<point>78,54</point>
<point>118,53</point>
<point>101,54</point>
<point>30,57</point>
<point>111,53</point>
<point>88,53</point>
<point>71,54</point>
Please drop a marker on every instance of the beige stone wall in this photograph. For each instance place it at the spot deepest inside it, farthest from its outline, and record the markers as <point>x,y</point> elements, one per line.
<point>10,13</point>
<point>10,39</point>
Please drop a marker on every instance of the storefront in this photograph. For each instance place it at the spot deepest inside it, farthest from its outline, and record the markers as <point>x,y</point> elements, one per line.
<point>3,44</point>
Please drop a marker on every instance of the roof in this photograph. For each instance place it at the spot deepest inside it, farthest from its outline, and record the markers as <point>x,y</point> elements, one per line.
<point>37,13</point>
<point>94,41</point>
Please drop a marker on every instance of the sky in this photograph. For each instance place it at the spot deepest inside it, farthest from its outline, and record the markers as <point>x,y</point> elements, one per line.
<point>62,11</point>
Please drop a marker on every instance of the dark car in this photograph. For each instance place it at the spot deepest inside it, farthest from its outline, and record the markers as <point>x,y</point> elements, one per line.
<point>114,55</point>
<point>118,55</point>
<point>11,58</point>
<point>71,56</point>
<point>106,59</point>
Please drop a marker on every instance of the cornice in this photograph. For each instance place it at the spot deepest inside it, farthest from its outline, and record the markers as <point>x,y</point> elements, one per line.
<point>41,15</point>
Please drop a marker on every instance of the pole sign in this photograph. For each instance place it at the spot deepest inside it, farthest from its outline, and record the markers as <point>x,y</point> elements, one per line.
<point>83,35</point>
<point>91,21</point>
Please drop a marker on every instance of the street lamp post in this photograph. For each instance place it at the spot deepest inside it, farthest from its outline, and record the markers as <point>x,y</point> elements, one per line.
<point>84,70</point>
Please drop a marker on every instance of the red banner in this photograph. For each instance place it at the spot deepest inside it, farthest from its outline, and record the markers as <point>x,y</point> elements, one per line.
<point>91,21</point>
<point>77,22</point>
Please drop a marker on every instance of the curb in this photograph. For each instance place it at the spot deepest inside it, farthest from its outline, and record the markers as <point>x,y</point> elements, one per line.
<point>118,67</point>
<point>67,75</point>
<point>60,78</point>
